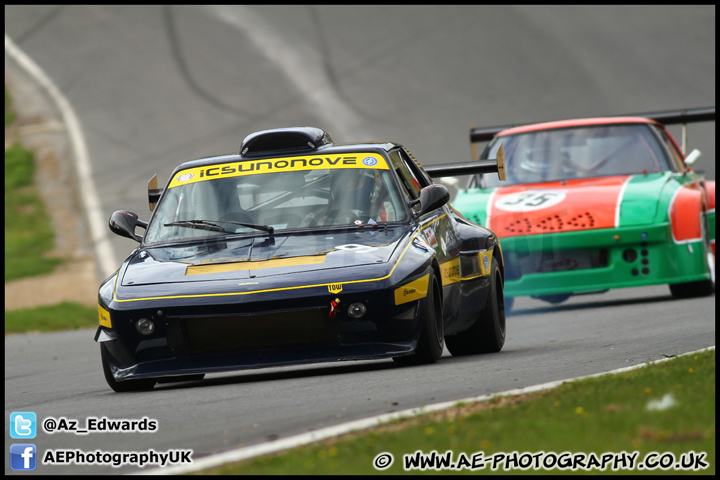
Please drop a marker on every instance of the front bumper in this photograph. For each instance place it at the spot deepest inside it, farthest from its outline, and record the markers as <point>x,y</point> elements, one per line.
<point>614,258</point>
<point>293,328</point>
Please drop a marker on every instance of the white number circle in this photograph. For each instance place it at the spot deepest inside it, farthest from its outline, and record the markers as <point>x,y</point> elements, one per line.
<point>530,200</point>
<point>353,247</point>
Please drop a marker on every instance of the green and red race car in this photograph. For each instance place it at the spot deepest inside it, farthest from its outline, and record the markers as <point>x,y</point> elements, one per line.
<point>597,203</point>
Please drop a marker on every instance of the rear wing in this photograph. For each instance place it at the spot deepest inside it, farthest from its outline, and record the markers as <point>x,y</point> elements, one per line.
<point>479,166</point>
<point>688,115</point>
<point>154,192</point>
<point>668,117</point>
<point>485,134</point>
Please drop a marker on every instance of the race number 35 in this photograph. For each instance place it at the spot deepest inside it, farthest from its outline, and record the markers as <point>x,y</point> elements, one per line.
<point>530,200</point>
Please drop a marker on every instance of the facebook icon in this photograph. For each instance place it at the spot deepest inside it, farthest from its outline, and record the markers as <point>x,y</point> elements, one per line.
<point>23,456</point>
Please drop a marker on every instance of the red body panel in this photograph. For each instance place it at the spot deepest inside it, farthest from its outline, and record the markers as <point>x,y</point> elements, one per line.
<point>556,206</point>
<point>685,214</point>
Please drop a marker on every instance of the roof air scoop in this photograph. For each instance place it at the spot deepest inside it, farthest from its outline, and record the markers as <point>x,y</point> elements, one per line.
<point>283,140</point>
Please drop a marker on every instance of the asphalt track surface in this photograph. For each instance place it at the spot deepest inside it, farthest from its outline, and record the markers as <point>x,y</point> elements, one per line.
<point>153,86</point>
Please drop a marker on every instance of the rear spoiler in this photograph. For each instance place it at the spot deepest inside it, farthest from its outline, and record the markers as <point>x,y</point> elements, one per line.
<point>479,166</point>
<point>669,117</point>
<point>154,192</point>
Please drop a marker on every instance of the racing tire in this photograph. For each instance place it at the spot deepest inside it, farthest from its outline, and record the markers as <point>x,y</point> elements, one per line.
<point>487,335</point>
<point>701,288</point>
<point>127,385</point>
<point>553,299</point>
<point>432,331</point>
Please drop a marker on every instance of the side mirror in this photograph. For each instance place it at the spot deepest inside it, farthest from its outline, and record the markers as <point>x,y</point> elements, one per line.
<point>432,197</point>
<point>123,223</point>
<point>692,157</point>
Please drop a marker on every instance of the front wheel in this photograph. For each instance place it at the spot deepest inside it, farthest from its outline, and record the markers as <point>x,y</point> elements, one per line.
<point>701,288</point>
<point>127,385</point>
<point>487,335</point>
<point>430,345</point>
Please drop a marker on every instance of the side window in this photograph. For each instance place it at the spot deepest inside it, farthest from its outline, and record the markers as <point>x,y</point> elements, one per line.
<point>414,167</point>
<point>675,154</point>
<point>409,182</point>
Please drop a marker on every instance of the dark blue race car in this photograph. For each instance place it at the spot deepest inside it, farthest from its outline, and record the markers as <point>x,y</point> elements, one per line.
<point>298,250</point>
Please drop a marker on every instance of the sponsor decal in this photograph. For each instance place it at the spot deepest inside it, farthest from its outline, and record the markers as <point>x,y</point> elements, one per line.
<point>104,317</point>
<point>274,165</point>
<point>185,177</point>
<point>414,290</point>
<point>450,271</point>
<point>335,288</point>
<point>430,236</point>
<point>486,264</point>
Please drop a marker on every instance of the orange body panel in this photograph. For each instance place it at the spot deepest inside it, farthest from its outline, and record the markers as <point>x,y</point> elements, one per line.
<point>556,206</point>
<point>685,214</point>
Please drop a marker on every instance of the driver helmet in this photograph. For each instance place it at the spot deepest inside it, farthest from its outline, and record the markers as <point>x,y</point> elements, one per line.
<point>352,188</point>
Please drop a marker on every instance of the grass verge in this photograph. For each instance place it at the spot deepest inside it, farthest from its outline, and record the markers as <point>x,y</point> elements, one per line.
<point>28,239</point>
<point>51,318</point>
<point>28,232</point>
<point>609,414</point>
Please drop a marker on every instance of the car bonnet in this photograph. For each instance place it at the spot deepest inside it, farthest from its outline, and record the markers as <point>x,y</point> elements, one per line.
<point>573,205</point>
<point>261,256</point>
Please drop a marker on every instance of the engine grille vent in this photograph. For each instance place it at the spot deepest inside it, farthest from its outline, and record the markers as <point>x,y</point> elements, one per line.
<point>226,333</point>
<point>549,224</point>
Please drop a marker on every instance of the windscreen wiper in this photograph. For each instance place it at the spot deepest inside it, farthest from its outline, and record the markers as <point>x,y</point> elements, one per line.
<point>214,227</point>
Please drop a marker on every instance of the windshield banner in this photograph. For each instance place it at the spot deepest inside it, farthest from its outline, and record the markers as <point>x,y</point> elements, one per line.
<point>273,165</point>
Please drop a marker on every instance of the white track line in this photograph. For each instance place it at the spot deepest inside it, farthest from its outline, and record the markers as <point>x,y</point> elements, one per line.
<point>103,250</point>
<point>310,437</point>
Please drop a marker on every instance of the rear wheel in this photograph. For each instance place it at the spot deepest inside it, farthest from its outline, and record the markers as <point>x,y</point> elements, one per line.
<point>127,385</point>
<point>487,335</point>
<point>432,334</point>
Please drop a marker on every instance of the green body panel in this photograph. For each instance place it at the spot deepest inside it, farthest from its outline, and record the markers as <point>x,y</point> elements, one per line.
<point>640,251</point>
<point>666,262</point>
<point>711,225</point>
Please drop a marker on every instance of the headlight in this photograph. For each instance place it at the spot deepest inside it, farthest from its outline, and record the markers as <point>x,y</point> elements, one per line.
<point>145,326</point>
<point>356,310</point>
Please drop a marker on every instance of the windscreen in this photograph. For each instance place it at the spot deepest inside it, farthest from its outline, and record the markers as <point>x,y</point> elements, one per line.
<point>250,196</point>
<point>564,154</point>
